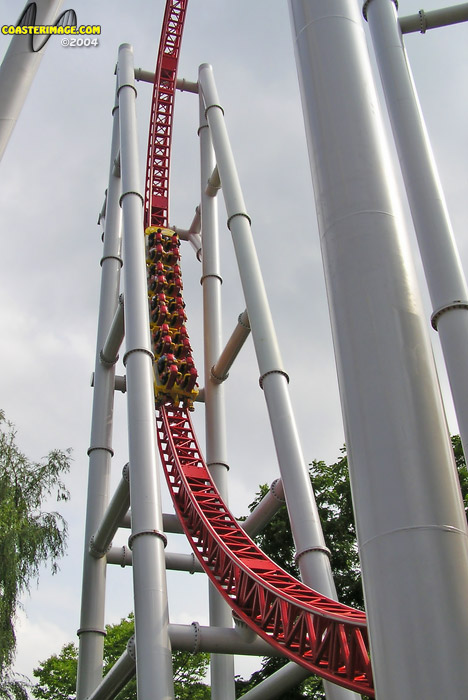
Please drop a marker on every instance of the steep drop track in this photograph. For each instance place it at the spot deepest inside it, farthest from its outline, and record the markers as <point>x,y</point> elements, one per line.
<point>324,636</point>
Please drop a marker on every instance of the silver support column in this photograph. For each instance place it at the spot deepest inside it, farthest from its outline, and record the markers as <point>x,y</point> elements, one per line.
<point>222,666</point>
<point>411,525</point>
<point>19,67</point>
<point>313,556</point>
<point>92,630</point>
<point>147,541</point>
<point>442,266</point>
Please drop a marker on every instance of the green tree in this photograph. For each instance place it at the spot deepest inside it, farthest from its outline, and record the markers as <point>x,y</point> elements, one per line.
<point>57,675</point>
<point>461,468</point>
<point>29,537</point>
<point>333,495</point>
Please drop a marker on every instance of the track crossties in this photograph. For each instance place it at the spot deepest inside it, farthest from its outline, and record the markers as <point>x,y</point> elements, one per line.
<point>326,637</point>
<point>162,106</point>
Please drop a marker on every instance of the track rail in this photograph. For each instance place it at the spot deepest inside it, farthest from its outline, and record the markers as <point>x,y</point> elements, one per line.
<point>162,106</point>
<point>322,635</point>
<point>326,637</point>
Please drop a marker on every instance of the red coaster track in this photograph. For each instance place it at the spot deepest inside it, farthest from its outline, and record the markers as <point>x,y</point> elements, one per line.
<point>162,106</point>
<point>326,637</point>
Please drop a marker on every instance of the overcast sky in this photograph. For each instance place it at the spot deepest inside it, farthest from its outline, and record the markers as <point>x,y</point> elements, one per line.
<point>52,182</point>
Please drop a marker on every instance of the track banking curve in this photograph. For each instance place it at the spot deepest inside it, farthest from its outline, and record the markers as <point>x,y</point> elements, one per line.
<point>322,635</point>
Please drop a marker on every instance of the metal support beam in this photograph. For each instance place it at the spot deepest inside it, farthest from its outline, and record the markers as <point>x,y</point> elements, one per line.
<point>102,213</point>
<point>147,76</point>
<point>265,510</point>
<point>171,523</point>
<point>192,234</point>
<point>214,183</point>
<point>219,640</point>
<point>277,684</point>
<point>194,228</point>
<point>19,67</point>
<point>109,353</point>
<point>312,553</point>
<point>120,382</point>
<point>424,21</point>
<point>117,508</point>
<point>220,371</point>
<point>147,541</point>
<point>192,638</point>
<point>411,526</point>
<point>221,667</point>
<point>122,556</point>
<point>119,675</point>
<point>441,261</point>
<point>92,630</point>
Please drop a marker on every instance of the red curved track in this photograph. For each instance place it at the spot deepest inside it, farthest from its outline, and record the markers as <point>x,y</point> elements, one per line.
<point>324,636</point>
<point>162,106</point>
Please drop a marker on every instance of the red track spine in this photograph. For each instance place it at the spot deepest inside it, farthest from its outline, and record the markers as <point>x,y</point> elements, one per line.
<point>160,131</point>
<point>321,634</point>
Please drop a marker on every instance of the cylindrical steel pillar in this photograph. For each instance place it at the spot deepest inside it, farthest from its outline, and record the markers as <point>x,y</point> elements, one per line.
<point>92,630</point>
<point>312,554</point>
<point>411,524</point>
<point>147,540</point>
<point>221,665</point>
<point>445,279</point>
<point>19,67</point>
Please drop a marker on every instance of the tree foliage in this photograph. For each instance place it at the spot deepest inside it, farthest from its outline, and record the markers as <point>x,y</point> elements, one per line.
<point>57,675</point>
<point>29,537</point>
<point>462,469</point>
<point>13,686</point>
<point>333,495</point>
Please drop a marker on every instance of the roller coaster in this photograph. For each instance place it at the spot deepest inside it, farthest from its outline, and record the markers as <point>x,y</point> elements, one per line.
<point>321,634</point>
<point>411,642</point>
<point>308,627</point>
